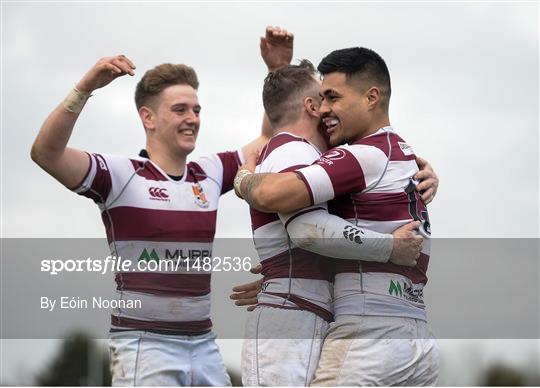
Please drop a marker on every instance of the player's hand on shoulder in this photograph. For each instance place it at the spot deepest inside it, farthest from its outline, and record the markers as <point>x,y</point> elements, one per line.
<point>429,181</point>
<point>251,161</point>
<point>277,47</point>
<point>104,72</point>
<point>407,245</point>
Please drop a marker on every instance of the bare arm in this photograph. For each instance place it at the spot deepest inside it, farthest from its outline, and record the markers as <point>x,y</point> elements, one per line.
<point>275,192</point>
<point>67,165</point>
<point>286,192</point>
<point>50,151</point>
<point>276,51</point>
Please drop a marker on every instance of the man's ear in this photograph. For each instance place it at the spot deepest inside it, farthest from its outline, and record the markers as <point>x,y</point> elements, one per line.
<point>311,106</point>
<point>373,96</point>
<point>147,118</point>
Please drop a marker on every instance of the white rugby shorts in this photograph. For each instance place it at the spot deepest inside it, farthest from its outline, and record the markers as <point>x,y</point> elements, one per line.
<point>150,359</point>
<point>378,351</point>
<point>281,347</point>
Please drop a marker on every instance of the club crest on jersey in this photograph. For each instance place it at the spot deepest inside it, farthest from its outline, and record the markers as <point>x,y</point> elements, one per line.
<point>200,197</point>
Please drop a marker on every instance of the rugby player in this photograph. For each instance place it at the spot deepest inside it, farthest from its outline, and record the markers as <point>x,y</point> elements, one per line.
<point>370,183</point>
<point>298,296</point>
<point>152,206</point>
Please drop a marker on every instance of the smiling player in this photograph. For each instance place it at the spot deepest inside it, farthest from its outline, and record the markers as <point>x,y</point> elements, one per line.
<point>150,205</point>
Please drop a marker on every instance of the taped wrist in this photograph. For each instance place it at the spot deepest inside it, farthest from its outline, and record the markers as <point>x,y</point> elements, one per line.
<point>237,183</point>
<point>75,100</point>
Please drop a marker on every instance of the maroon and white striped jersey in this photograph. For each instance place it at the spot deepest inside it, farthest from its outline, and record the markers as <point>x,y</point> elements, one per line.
<point>370,184</point>
<point>150,217</point>
<point>293,278</point>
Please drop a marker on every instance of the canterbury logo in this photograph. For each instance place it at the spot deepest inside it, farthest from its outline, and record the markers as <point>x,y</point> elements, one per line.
<point>353,234</point>
<point>158,193</point>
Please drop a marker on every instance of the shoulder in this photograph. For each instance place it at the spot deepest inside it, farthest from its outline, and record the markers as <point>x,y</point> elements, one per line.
<point>288,146</point>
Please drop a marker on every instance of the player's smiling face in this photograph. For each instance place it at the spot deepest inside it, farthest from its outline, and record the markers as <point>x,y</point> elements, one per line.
<point>342,110</point>
<point>177,118</point>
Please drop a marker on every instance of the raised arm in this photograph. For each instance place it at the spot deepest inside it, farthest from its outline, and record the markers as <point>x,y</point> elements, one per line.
<point>276,51</point>
<point>50,151</point>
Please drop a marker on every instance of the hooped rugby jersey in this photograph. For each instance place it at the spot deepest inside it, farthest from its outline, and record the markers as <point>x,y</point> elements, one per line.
<point>150,217</point>
<point>370,184</point>
<point>293,278</point>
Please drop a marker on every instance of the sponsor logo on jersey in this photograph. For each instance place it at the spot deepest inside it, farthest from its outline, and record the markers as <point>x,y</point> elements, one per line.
<point>102,165</point>
<point>411,292</point>
<point>395,288</point>
<point>405,148</point>
<point>152,256</point>
<point>188,254</point>
<point>264,286</point>
<point>200,197</point>
<point>158,194</point>
<point>332,155</point>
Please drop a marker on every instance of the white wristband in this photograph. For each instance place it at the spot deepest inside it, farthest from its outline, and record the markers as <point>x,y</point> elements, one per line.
<point>75,100</point>
<point>240,175</point>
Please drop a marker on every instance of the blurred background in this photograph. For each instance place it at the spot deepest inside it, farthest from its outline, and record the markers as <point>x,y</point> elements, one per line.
<point>465,95</point>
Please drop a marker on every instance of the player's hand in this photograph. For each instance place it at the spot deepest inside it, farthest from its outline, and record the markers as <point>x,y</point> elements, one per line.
<point>407,245</point>
<point>251,161</point>
<point>244,171</point>
<point>246,294</point>
<point>277,47</point>
<point>104,72</point>
<point>429,182</point>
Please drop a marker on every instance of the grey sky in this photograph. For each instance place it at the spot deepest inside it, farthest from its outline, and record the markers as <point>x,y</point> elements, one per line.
<point>464,80</point>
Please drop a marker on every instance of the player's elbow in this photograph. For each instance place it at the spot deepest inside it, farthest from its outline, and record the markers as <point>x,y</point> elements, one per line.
<point>304,242</point>
<point>304,234</point>
<point>37,154</point>
<point>43,156</point>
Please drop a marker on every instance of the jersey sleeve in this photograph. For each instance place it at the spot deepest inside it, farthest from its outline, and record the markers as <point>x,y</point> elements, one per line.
<point>222,168</point>
<point>332,236</point>
<point>97,183</point>
<point>343,170</point>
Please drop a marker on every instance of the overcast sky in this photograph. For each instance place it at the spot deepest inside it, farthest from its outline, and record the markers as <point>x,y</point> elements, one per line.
<point>464,95</point>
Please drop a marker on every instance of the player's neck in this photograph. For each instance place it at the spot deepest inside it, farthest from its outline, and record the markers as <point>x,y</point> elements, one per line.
<point>172,164</point>
<point>378,123</point>
<point>306,129</point>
